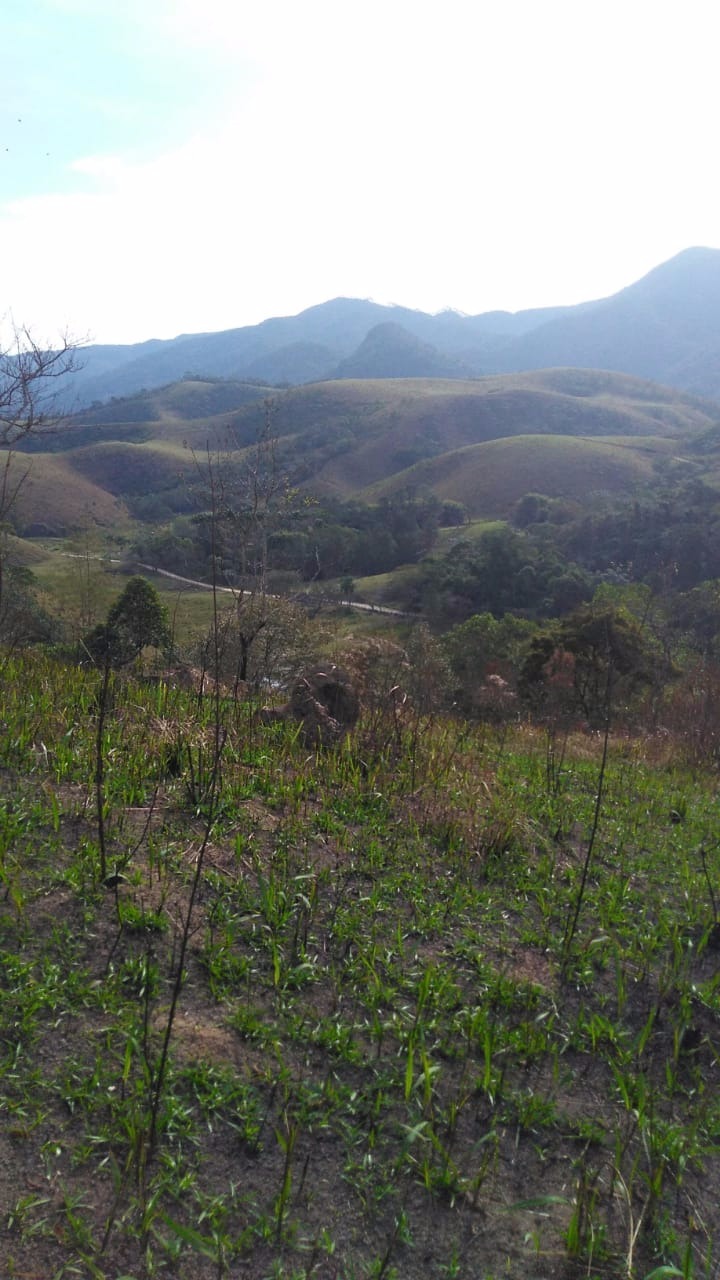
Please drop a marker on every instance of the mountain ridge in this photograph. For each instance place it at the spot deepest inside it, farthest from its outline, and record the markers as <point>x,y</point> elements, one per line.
<point>664,327</point>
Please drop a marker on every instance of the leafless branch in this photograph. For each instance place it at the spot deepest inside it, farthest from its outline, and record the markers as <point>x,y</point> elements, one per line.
<point>28,383</point>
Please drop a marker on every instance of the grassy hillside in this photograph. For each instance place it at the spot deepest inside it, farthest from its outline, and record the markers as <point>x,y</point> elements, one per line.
<point>197,398</point>
<point>132,469</point>
<point>53,497</point>
<point>342,438</point>
<point>24,553</point>
<point>349,435</point>
<point>436,1003</point>
<point>489,478</point>
<point>143,416</point>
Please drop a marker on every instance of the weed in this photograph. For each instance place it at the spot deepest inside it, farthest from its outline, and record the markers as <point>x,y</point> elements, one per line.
<point>316,995</point>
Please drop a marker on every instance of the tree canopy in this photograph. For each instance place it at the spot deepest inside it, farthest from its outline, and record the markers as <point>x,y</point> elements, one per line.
<point>585,663</point>
<point>138,618</point>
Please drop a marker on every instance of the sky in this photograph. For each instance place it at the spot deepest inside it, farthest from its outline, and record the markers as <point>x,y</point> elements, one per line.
<point>176,166</point>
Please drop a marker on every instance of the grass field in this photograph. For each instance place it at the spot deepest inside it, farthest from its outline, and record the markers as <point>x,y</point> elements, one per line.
<point>81,586</point>
<point>439,1002</point>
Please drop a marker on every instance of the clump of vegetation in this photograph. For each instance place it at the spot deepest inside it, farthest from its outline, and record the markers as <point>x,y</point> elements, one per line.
<point>136,620</point>
<point>25,617</point>
<point>260,640</point>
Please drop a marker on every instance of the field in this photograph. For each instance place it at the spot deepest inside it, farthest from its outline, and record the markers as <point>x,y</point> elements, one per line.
<point>80,579</point>
<point>442,1001</point>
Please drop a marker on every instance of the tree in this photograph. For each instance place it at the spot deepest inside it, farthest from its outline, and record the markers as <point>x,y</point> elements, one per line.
<point>138,618</point>
<point>484,645</point>
<point>347,587</point>
<point>28,383</point>
<point>29,374</point>
<point>248,505</point>
<point>532,508</point>
<point>23,618</point>
<point>262,638</point>
<point>589,663</point>
<point>696,615</point>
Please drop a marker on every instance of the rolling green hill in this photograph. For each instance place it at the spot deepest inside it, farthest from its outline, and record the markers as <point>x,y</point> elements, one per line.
<point>351,435</point>
<point>574,431</point>
<point>150,414</point>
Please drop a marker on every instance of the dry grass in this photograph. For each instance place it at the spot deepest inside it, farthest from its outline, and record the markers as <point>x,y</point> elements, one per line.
<point>489,478</point>
<point>54,497</point>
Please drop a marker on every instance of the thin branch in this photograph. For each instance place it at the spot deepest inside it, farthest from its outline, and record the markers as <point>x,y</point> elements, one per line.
<point>28,374</point>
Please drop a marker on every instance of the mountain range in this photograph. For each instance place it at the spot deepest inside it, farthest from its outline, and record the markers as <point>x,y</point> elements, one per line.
<point>664,327</point>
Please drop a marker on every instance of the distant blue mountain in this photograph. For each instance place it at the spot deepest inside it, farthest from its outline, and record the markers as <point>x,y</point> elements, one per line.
<point>665,327</point>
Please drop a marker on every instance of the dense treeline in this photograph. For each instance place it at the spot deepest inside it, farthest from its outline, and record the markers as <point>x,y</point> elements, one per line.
<point>553,556</point>
<point>670,541</point>
<point>314,541</point>
<point>547,562</point>
<point>502,571</point>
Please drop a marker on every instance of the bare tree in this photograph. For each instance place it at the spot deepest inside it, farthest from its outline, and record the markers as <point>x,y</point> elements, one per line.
<point>29,376</point>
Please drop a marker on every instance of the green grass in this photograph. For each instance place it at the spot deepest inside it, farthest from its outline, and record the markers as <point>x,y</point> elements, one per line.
<point>80,589</point>
<point>386,1053</point>
<point>470,532</point>
<point>381,588</point>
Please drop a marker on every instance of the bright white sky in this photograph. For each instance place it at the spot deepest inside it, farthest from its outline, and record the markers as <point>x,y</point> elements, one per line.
<point>172,166</point>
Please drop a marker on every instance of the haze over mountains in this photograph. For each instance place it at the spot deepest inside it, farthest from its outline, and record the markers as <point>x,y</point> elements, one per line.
<point>609,398</point>
<point>665,327</point>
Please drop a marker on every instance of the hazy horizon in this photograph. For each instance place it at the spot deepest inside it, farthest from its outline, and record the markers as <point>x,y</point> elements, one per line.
<point>187,167</point>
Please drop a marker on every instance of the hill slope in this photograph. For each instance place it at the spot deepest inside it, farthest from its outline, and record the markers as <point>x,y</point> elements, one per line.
<point>488,479</point>
<point>350,435</point>
<point>55,497</point>
<point>344,437</point>
<point>665,327</point>
<point>390,351</point>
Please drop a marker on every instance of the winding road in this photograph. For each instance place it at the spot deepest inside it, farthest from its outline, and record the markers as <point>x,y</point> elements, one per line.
<point>207,586</point>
